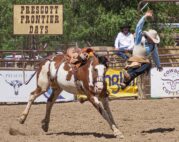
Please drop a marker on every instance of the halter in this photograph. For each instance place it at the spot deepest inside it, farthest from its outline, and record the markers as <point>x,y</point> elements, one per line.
<point>99,79</point>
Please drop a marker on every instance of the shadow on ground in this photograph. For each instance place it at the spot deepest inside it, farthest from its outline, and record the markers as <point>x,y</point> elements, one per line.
<point>84,134</point>
<point>159,130</point>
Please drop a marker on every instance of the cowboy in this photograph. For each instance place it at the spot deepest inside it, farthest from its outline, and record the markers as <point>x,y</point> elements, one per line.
<point>124,41</point>
<point>145,45</point>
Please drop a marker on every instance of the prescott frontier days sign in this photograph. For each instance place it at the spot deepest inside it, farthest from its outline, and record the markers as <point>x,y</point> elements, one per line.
<point>38,19</point>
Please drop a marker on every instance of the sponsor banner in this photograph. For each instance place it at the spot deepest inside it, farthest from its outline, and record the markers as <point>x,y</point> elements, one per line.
<point>38,19</point>
<point>165,83</point>
<point>113,79</point>
<point>14,90</point>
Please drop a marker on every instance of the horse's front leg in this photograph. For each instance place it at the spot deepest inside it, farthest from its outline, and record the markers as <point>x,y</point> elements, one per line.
<point>105,102</point>
<point>96,103</point>
<point>51,100</point>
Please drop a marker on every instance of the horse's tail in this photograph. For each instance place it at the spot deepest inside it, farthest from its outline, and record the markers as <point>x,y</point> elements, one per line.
<point>49,58</point>
<point>27,82</point>
<point>36,70</point>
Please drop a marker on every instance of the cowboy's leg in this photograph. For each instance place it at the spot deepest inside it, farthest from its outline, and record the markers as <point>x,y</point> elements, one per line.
<point>137,71</point>
<point>145,67</point>
<point>127,74</point>
<point>130,70</point>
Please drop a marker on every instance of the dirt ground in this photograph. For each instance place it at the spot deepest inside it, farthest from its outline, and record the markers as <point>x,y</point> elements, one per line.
<point>139,120</point>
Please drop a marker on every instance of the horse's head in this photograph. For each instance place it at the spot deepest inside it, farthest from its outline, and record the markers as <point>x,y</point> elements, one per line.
<point>97,72</point>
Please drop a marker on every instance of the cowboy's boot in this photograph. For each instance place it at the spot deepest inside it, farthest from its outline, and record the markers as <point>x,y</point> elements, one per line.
<point>127,76</point>
<point>123,85</point>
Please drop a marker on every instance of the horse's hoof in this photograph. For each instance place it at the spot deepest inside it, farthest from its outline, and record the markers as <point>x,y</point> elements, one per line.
<point>21,120</point>
<point>118,134</point>
<point>44,126</point>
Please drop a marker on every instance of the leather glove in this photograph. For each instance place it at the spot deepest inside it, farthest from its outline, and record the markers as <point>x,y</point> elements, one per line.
<point>160,69</point>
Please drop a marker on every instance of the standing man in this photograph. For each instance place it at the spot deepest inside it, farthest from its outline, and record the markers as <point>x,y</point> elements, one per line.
<point>124,42</point>
<point>145,45</point>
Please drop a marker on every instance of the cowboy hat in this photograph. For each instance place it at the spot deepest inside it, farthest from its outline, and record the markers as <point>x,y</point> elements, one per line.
<point>125,26</point>
<point>153,35</point>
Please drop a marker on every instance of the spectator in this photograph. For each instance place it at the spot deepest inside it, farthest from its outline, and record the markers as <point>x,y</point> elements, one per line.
<point>145,45</point>
<point>124,42</point>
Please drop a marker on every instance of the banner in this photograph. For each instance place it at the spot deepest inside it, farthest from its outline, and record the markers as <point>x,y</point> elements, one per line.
<point>14,90</point>
<point>113,79</point>
<point>165,83</point>
<point>38,19</point>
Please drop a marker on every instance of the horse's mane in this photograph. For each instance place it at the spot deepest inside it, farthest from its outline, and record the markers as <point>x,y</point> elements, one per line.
<point>102,59</point>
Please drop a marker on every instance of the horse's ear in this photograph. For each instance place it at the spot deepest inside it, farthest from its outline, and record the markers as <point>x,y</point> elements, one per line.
<point>103,60</point>
<point>88,50</point>
<point>106,61</point>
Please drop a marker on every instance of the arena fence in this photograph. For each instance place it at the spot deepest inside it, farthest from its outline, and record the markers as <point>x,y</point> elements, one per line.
<point>169,57</point>
<point>28,60</point>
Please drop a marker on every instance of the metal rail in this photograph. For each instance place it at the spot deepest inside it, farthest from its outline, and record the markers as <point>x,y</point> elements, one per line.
<point>154,1</point>
<point>114,60</point>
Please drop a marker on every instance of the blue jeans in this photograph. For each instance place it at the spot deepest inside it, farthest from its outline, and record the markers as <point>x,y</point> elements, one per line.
<point>134,72</point>
<point>122,55</point>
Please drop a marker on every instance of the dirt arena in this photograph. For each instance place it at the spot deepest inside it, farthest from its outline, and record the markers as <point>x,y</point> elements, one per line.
<point>139,120</point>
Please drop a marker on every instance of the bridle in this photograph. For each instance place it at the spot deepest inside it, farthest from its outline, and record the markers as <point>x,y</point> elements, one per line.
<point>98,81</point>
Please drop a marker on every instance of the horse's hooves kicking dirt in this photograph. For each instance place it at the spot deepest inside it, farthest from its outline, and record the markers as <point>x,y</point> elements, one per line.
<point>120,136</point>
<point>14,132</point>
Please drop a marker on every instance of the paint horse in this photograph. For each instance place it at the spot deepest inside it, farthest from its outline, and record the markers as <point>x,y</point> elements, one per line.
<point>58,74</point>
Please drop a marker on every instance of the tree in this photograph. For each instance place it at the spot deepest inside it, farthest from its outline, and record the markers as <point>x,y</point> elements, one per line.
<point>95,21</point>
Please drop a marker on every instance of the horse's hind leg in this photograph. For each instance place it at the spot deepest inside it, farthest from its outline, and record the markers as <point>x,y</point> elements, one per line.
<point>97,104</point>
<point>49,105</point>
<point>38,91</point>
<point>43,82</point>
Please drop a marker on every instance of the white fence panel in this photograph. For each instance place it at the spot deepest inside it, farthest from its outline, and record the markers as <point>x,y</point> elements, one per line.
<point>13,88</point>
<point>165,83</point>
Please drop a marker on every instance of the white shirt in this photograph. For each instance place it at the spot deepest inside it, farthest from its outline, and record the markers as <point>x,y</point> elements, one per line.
<point>124,41</point>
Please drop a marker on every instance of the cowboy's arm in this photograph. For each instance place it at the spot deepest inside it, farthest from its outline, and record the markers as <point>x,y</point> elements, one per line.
<point>138,30</point>
<point>155,57</point>
<point>140,26</point>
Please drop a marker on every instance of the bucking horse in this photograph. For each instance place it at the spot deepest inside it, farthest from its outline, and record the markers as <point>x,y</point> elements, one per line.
<point>87,78</point>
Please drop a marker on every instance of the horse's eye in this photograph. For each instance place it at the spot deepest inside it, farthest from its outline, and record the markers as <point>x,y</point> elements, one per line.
<point>95,69</point>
